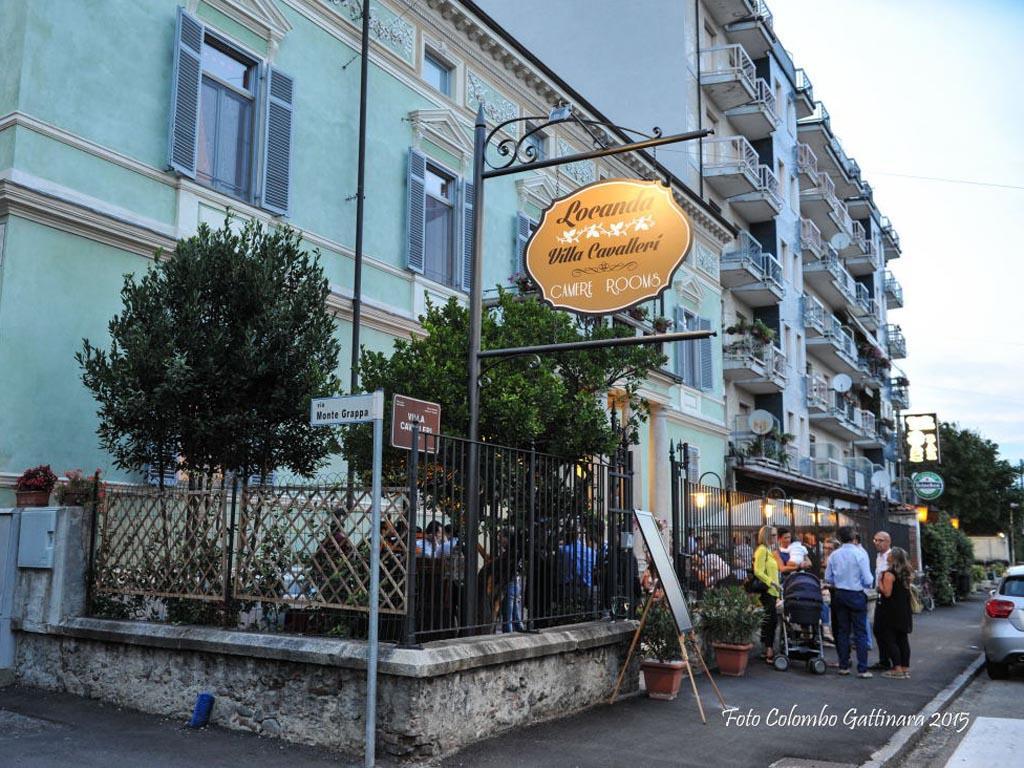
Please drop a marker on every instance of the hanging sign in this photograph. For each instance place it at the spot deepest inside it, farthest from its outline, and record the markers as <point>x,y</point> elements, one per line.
<point>928,485</point>
<point>608,246</point>
<point>922,436</point>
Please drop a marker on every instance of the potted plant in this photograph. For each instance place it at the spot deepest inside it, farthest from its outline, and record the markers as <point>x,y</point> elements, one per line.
<point>729,618</point>
<point>662,666</point>
<point>661,324</point>
<point>79,488</point>
<point>523,282</point>
<point>34,486</point>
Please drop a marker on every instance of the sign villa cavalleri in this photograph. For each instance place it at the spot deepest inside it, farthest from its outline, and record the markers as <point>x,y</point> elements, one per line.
<point>608,246</point>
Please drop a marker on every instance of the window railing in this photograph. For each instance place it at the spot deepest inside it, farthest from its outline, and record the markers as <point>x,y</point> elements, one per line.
<point>729,60</point>
<point>765,97</point>
<point>732,152</point>
<point>814,313</point>
<point>806,160</point>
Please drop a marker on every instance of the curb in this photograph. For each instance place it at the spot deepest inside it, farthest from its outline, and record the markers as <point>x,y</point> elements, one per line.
<point>907,737</point>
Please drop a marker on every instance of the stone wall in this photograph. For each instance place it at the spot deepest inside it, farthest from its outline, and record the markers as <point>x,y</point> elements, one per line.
<point>312,690</point>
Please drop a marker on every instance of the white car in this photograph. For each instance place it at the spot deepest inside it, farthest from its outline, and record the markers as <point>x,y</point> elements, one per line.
<point>1002,626</point>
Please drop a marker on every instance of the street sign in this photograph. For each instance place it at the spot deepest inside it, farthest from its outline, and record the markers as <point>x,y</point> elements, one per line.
<point>928,485</point>
<point>406,411</point>
<point>349,409</point>
<point>608,246</point>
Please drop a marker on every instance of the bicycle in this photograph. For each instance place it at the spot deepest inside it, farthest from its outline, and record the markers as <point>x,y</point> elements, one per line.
<point>925,590</point>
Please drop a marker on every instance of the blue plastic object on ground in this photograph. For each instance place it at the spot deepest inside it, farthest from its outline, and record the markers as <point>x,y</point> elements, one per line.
<point>201,713</point>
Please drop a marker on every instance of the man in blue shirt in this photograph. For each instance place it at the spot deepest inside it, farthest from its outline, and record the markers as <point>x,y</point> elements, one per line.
<point>849,572</point>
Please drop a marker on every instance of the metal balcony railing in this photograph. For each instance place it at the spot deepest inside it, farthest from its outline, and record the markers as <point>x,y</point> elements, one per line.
<point>889,232</point>
<point>899,395</point>
<point>842,215</point>
<point>769,184</point>
<point>827,189</point>
<point>868,424</point>
<point>749,350</point>
<point>816,391</point>
<point>803,84</point>
<point>747,254</point>
<point>863,297</point>
<point>859,236</point>
<point>819,115</point>
<point>810,237</point>
<point>893,291</point>
<point>841,338</point>
<point>732,152</point>
<point>853,169</point>
<point>761,9</point>
<point>728,60</point>
<point>843,279</point>
<point>806,160</point>
<point>772,269</point>
<point>897,343</point>
<point>765,97</point>
<point>814,313</point>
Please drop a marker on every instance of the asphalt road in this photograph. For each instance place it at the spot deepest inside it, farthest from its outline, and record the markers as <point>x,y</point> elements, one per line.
<point>643,732</point>
<point>45,730</point>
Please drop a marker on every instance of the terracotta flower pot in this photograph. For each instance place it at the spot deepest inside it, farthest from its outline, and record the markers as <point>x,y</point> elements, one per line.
<point>662,679</point>
<point>732,659</point>
<point>32,498</point>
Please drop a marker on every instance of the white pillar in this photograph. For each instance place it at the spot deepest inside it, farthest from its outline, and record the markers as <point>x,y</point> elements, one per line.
<point>660,476</point>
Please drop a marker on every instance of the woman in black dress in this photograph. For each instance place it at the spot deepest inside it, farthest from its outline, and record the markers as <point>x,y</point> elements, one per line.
<point>894,614</point>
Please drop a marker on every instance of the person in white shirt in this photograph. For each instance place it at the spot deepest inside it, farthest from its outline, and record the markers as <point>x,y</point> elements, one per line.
<point>883,543</point>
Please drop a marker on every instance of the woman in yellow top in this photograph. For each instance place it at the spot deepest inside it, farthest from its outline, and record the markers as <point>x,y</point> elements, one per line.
<point>766,569</point>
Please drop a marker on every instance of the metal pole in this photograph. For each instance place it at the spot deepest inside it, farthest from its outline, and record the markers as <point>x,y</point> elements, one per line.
<point>677,518</point>
<point>533,551</point>
<point>229,548</point>
<point>473,361</point>
<point>686,517</point>
<point>410,569</point>
<point>357,278</point>
<point>373,641</point>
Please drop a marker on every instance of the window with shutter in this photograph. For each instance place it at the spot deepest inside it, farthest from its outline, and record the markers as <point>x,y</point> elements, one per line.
<point>183,147</point>
<point>277,156</point>
<point>416,210</point>
<point>687,359</point>
<point>525,227</point>
<point>468,219</point>
<point>707,365</point>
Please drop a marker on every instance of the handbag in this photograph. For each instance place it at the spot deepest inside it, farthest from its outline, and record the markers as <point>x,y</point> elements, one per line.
<point>916,606</point>
<point>753,585</point>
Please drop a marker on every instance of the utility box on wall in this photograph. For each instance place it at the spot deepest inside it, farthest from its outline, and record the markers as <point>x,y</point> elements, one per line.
<point>35,541</point>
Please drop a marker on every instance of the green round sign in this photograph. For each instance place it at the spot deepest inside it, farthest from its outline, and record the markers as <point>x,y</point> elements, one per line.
<point>928,485</point>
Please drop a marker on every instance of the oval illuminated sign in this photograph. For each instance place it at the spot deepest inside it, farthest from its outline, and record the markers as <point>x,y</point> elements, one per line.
<point>608,246</point>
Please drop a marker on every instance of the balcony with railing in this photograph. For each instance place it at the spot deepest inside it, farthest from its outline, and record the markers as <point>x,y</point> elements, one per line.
<point>874,369</point>
<point>862,257</point>
<point>754,32</point>
<point>815,316</point>
<point>806,166</point>
<point>861,205</point>
<point>893,292</point>
<point>755,366</point>
<point>820,205</point>
<point>728,76</point>
<point>841,417</point>
<point>899,393</point>
<point>731,165</point>
<point>804,95</point>
<point>872,317</point>
<point>836,348</point>
<point>872,434</point>
<point>754,276</point>
<point>758,118</point>
<point>763,203</point>
<point>890,240</point>
<point>897,343</point>
<point>816,393</point>
<point>811,246</point>
<point>832,282</point>
<point>727,11</point>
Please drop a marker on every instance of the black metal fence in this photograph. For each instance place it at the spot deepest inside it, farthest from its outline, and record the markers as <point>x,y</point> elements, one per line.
<point>546,549</point>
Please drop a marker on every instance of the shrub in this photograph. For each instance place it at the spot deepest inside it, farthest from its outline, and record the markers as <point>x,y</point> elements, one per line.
<point>729,615</point>
<point>660,638</point>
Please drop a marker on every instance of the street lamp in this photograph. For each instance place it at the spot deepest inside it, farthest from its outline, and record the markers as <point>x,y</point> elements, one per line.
<point>766,505</point>
<point>955,522</point>
<point>922,514</point>
<point>700,498</point>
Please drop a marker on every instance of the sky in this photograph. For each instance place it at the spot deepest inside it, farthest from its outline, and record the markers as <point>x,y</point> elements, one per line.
<point>933,89</point>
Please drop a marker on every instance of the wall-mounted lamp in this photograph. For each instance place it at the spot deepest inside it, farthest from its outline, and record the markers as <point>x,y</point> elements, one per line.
<point>922,514</point>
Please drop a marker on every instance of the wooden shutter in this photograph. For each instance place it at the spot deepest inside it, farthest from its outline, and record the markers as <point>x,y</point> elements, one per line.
<point>524,228</point>
<point>468,219</point>
<point>183,144</point>
<point>707,366</point>
<point>679,316</point>
<point>277,154</point>
<point>416,210</point>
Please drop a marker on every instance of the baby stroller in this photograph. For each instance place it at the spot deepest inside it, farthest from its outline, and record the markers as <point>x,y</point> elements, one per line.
<point>801,623</point>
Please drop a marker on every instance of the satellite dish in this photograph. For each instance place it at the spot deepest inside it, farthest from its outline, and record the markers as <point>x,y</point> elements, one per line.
<point>842,383</point>
<point>761,422</point>
<point>879,480</point>
<point>840,241</point>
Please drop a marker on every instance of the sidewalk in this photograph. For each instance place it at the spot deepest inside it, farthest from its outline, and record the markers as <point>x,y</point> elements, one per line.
<point>45,730</point>
<point>643,732</point>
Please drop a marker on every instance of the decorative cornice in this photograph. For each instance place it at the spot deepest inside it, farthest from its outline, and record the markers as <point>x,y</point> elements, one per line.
<point>444,128</point>
<point>259,16</point>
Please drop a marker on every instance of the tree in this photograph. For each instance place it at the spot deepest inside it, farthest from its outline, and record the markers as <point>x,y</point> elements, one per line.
<point>556,401</point>
<point>216,355</point>
<point>978,483</point>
